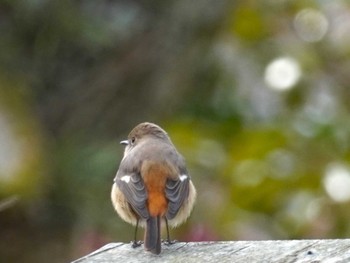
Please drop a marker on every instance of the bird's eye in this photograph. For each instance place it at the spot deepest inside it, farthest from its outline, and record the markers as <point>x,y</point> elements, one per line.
<point>133,139</point>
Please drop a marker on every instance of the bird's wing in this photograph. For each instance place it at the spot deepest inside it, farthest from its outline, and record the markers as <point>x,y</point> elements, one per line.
<point>176,192</point>
<point>132,186</point>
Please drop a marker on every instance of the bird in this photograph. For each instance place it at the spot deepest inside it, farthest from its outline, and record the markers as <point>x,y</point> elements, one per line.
<point>152,185</point>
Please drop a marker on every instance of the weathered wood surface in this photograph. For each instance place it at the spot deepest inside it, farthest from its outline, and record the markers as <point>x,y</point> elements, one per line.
<point>286,251</point>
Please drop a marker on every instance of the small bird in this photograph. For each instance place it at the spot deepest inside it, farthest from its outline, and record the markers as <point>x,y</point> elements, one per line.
<point>152,185</point>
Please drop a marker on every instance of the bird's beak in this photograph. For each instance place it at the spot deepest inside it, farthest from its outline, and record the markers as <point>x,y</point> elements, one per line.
<point>125,142</point>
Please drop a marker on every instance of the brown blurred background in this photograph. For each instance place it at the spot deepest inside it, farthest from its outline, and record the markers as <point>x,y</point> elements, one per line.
<point>255,95</point>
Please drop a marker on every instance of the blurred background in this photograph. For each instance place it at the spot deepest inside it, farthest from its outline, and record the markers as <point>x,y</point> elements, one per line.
<point>254,94</point>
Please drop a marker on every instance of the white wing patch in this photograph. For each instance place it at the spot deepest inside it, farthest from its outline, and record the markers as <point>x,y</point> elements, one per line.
<point>183,177</point>
<point>126,178</point>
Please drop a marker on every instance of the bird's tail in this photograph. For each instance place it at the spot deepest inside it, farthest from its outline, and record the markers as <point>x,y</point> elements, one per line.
<point>152,235</point>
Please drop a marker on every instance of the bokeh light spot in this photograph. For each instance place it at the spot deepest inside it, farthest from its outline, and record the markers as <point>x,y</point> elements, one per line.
<point>311,25</point>
<point>337,182</point>
<point>249,173</point>
<point>282,73</point>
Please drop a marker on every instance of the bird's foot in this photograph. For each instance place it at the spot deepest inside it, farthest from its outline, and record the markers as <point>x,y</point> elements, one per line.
<point>135,244</point>
<point>169,242</point>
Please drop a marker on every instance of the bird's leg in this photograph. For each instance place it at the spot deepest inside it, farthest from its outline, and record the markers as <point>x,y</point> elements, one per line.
<point>168,242</point>
<point>135,243</point>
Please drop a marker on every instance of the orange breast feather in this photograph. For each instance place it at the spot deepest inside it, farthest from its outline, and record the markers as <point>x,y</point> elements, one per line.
<point>155,176</point>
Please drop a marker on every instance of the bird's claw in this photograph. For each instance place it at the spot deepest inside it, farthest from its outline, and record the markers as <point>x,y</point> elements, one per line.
<point>135,244</point>
<point>169,242</point>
